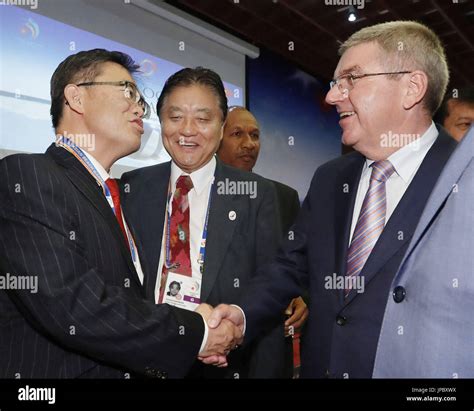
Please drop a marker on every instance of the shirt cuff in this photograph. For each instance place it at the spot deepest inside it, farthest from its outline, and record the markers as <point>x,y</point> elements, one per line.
<point>243,315</point>
<point>206,334</point>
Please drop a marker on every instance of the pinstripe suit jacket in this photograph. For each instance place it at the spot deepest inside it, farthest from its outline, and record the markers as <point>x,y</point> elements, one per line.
<point>88,317</point>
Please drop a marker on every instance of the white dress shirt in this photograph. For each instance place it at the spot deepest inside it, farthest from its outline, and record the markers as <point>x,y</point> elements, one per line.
<point>105,176</point>
<point>198,198</point>
<point>406,162</point>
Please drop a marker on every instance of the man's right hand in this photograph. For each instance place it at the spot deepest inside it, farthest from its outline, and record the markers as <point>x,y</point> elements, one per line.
<point>220,341</point>
<point>226,312</point>
<point>221,315</point>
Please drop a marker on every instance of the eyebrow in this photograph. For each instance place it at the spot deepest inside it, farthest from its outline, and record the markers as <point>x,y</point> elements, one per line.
<point>464,118</point>
<point>351,69</point>
<point>204,110</point>
<point>199,110</point>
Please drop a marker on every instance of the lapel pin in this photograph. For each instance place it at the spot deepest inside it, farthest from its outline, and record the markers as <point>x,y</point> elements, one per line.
<point>232,215</point>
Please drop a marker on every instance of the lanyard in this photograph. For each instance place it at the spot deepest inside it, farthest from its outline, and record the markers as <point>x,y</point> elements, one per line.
<point>79,154</point>
<point>202,248</point>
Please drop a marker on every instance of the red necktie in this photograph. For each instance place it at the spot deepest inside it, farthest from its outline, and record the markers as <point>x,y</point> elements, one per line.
<point>179,248</point>
<point>114,191</point>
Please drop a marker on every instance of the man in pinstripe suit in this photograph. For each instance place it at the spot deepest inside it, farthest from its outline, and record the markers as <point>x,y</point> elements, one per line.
<point>61,226</point>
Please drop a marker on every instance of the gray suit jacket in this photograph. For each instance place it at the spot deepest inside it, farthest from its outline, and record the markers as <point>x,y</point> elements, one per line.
<point>430,333</point>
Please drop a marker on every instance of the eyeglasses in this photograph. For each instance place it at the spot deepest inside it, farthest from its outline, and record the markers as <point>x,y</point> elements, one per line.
<point>130,91</point>
<point>345,83</point>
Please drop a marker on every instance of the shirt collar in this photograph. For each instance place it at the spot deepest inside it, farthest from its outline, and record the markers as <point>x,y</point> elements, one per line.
<point>407,159</point>
<point>201,177</point>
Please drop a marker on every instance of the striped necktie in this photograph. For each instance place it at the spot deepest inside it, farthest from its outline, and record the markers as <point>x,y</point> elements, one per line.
<point>371,221</point>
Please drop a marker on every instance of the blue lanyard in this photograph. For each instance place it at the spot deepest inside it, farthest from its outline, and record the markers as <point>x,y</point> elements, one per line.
<point>202,248</point>
<point>79,154</point>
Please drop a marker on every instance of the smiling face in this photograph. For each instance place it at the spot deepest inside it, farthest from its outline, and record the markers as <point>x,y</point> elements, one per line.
<point>374,106</point>
<point>191,126</point>
<point>109,115</point>
<point>241,143</point>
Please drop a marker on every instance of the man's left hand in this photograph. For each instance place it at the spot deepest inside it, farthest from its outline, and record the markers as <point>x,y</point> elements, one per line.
<point>299,314</point>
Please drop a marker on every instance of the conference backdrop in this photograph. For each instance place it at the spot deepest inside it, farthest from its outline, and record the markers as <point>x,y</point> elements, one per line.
<point>33,44</point>
<point>299,132</point>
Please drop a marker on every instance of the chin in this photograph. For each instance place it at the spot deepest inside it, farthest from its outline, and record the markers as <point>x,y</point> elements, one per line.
<point>348,139</point>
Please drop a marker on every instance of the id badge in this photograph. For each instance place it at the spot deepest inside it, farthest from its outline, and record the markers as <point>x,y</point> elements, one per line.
<point>182,291</point>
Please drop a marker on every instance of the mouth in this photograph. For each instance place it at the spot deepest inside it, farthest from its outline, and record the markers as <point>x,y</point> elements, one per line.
<point>139,123</point>
<point>345,114</point>
<point>187,144</point>
<point>247,157</point>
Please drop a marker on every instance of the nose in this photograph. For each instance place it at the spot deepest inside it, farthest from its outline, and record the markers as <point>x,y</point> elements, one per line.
<point>248,142</point>
<point>188,127</point>
<point>335,95</point>
<point>139,110</point>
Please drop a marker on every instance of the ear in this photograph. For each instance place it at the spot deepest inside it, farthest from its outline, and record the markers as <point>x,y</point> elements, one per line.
<point>416,90</point>
<point>74,98</point>
<point>222,132</point>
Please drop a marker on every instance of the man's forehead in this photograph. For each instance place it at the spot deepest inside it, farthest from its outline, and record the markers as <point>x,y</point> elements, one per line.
<point>357,58</point>
<point>241,118</point>
<point>461,108</point>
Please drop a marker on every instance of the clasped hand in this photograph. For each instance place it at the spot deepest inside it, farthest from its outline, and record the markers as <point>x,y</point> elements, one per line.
<point>226,328</point>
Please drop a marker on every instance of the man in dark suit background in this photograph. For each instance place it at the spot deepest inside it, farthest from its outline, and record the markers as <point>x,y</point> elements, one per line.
<point>240,148</point>
<point>217,233</point>
<point>62,230</point>
<point>362,208</point>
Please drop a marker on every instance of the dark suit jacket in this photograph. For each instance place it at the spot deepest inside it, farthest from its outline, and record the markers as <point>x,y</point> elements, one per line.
<point>341,334</point>
<point>89,317</point>
<point>234,250</point>
<point>288,205</point>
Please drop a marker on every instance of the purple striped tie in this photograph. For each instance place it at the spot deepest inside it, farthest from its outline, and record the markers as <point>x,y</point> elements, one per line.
<point>371,221</point>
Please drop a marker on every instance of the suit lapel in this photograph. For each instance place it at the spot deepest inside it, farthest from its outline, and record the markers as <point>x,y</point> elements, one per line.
<point>220,232</point>
<point>90,189</point>
<point>347,183</point>
<point>440,194</point>
<point>148,227</point>
<point>402,223</point>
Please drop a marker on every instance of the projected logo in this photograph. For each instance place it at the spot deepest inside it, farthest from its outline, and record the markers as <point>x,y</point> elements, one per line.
<point>148,67</point>
<point>30,29</point>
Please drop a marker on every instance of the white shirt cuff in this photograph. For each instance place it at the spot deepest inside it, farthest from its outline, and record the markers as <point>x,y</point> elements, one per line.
<point>206,334</point>
<point>243,315</point>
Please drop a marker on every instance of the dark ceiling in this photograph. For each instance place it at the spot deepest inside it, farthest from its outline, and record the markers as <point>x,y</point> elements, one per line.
<point>317,29</point>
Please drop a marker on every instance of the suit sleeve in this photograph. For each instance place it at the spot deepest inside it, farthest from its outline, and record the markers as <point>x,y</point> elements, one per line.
<point>281,280</point>
<point>270,351</point>
<point>73,305</point>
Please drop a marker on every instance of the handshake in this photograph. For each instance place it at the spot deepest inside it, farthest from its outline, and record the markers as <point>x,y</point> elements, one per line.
<point>226,331</point>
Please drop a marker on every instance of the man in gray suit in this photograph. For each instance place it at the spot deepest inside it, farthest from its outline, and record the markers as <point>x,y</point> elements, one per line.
<point>427,330</point>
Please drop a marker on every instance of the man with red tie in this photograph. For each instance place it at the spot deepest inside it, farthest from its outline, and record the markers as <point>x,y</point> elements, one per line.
<point>362,208</point>
<point>61,224</point>
<point>203,224</point>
